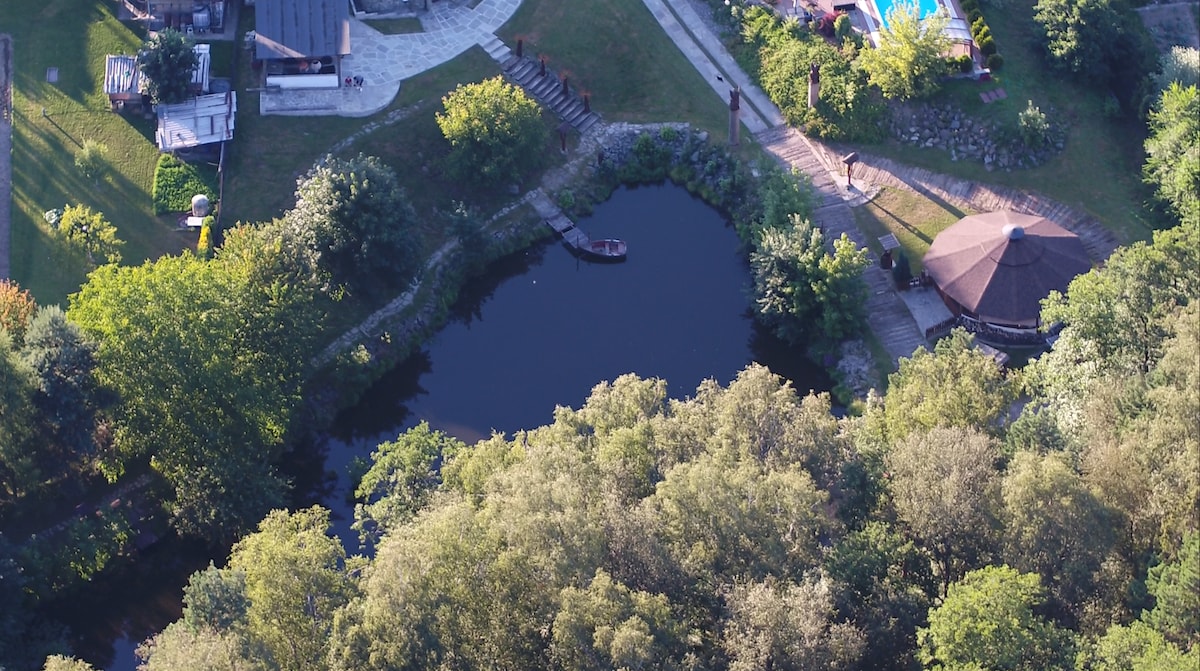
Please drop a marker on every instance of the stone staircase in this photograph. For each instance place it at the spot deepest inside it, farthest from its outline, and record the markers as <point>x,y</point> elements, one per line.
<point>543,84</point>
<point>887,315</point>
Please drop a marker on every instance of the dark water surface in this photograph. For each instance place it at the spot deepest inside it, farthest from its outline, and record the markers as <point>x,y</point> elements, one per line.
<point>541,329</point>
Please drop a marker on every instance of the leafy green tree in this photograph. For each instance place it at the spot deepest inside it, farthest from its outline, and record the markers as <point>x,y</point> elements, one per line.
<point>1055,527</point>
<point>181,648</point>
<point>167,61</point>
<point>208,363</point>
<point>787,626</point>
<point>955,385</point>
<point>63,663</point>
<point>1173,151</point>
<point>496,132</point>
<point>882,582</point>
<point>1136,647</point>
<point>295,580</point>
<point>1176,589</point>
<point>989,620</point>
<point>1103,41</point>
<point>355,220</point>
<point>91,233</point>
<point>401,479</point>
<point>802,290</point>
<point>945,489</point>
<point>909,59</point>
<point>215,599</point>
<point>18,464</point>
<point>63,362</point>
<point>609,626</point>
<point>1121,311</point>
<point>90,161</point>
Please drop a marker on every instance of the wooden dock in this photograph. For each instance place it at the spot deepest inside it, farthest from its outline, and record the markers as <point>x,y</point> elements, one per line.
<point>572,235</point>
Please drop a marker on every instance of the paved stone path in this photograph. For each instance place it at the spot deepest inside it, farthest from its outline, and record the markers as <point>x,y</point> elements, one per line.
<point>5,154</point>
<point>383,61</point>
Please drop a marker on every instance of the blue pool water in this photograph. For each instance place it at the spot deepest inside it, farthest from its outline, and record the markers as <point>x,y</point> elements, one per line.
<point>927,7</point>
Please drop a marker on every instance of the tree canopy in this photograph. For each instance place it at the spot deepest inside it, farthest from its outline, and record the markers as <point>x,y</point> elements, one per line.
<point>1173,151</point>
<point>167,61</point>
<point>495,130</point>
<point>909,61</point>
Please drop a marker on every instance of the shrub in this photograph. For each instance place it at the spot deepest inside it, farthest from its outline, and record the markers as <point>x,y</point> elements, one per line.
<point>978,25</point>
<point>89,160</point>
<point>983,34</point>
<point>175,182</point>
<point>995,62</point>
<point>841,27</point>
<point>974,15</point>
<point>204,245</point>
<point>987,46</point>
<point>1034,125</point>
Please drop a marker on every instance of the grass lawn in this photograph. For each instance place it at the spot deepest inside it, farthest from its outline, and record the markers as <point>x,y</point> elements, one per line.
<point>75,37</point>
<point>397,26</point>
<point>1100,170</point>
<point>616,51</point>
<point>914,218</point>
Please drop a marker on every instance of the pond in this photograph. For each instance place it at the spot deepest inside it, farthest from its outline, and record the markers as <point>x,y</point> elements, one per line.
<point>540,329</point>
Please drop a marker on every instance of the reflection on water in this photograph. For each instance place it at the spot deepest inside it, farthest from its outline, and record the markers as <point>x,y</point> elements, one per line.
<point>540,329</point>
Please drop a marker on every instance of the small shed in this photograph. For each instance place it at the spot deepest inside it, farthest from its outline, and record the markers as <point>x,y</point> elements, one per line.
<point>201,120</point>
<point>122,80</point>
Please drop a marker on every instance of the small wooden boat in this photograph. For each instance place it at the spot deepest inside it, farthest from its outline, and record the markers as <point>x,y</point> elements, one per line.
<point>606,249</point>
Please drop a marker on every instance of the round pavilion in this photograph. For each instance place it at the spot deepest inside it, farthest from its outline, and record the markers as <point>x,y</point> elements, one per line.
<point>997,267</point>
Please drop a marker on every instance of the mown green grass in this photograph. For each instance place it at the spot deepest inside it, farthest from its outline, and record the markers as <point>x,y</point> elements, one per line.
<point>615,51</point>
<point>914,219</point>
<point>1100,170</point>
<point>75,37</point>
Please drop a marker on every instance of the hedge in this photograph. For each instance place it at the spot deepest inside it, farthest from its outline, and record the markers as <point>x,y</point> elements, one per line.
<point>175,182</point>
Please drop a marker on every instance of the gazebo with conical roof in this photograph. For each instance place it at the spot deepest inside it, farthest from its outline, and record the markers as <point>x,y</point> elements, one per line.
<point>997,267</point>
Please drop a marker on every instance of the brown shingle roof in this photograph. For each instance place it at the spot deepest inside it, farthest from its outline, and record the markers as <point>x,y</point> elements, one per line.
<point>1000,265</point>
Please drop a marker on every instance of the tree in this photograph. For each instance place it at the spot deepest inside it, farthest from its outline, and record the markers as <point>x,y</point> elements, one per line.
<point>91,233</point>
<point>802,291</point>
<point>167,61</point>
<point>63,362</point>
<point>609,626</point>
<point>18,464</point>
<point>215,599</point>
<point>955,385</point>
<point>61,663</point>
<point>1179,64</point>
<point>295,580</point>
<point>1055,527</point>
<point>1122,310</point>
<point>1173,151</point>
<point>988,620</point>
<point>357,223</point>
<point>181,648</point>
<point>1136,647</point>
<point>496,132</point>
<point>401,479</point>
<point>207,359</point>
<point>882,582</point>
<point>787,626</point>
<point>16,309</point>
<point>1103,41</point>
<point>944,486</point>
<point>1176,589</point>
<point>909,59</point>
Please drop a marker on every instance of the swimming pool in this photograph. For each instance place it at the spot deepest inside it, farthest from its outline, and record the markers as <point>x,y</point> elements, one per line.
<point>927,7</point>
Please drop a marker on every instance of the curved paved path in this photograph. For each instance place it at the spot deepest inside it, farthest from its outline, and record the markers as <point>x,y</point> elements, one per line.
<point>383,61</point>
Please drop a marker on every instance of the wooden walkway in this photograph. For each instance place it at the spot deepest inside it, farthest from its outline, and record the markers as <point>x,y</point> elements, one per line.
<point>571,234</point>
<point>887,315</point>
